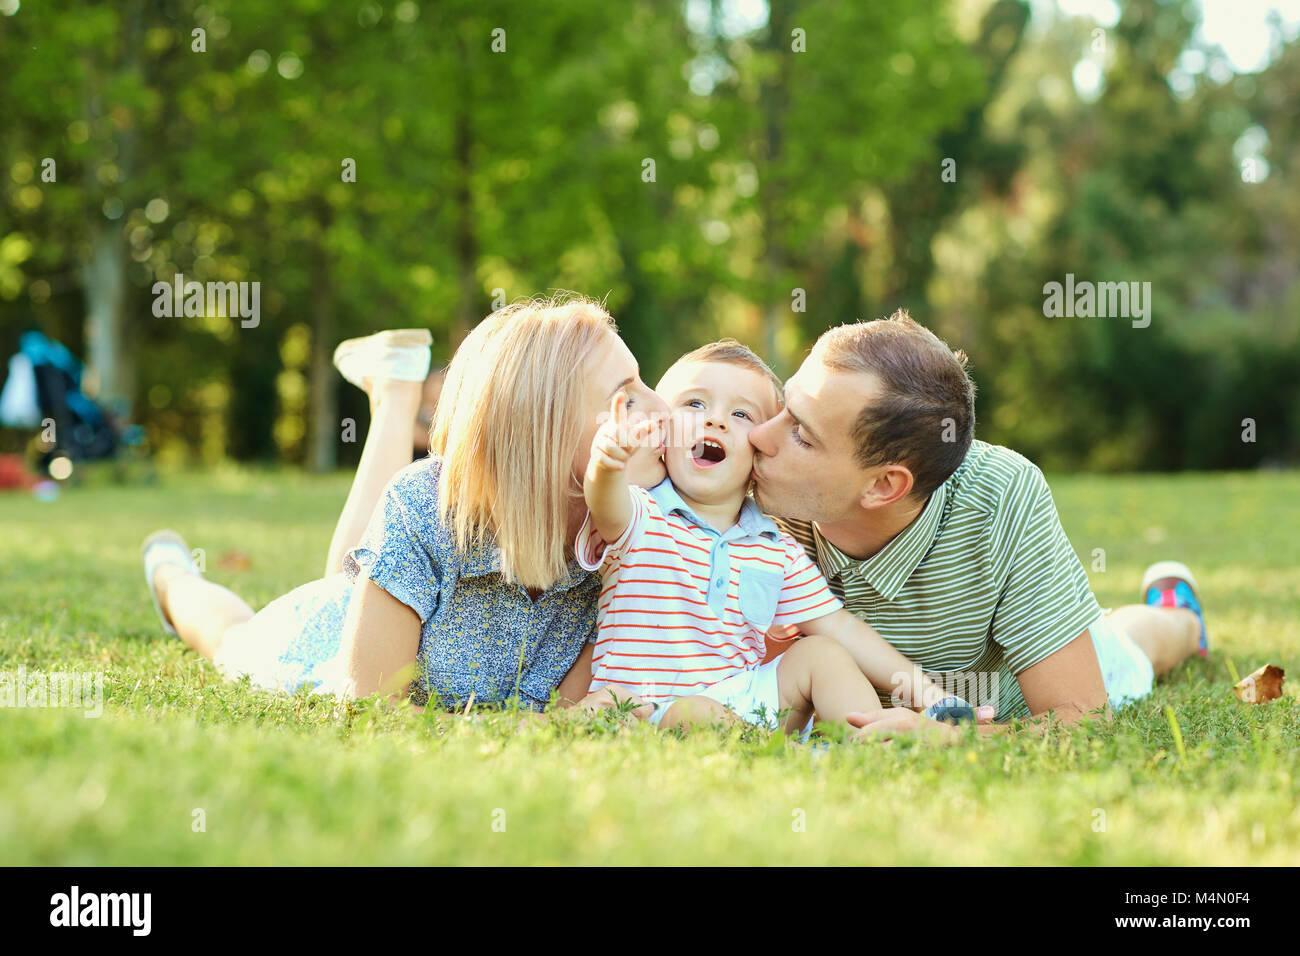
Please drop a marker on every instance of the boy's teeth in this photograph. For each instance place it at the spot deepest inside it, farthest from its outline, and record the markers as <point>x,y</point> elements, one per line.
<point>708,450</point>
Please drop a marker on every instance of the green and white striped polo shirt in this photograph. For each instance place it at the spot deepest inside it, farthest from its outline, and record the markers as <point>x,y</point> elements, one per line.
<point>982,585</point>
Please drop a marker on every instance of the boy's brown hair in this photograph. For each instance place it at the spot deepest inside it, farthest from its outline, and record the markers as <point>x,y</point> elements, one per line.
<point>731,352</point>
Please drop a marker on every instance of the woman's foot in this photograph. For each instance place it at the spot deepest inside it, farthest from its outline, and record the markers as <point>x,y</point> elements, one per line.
<point>394,356</point>
<point>165,554</point>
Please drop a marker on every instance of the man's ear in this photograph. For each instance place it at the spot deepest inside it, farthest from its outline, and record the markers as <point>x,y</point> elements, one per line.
<point>886,485</point>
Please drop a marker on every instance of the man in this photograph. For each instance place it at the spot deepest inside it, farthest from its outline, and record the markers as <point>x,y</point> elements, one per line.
<point>951,547</point>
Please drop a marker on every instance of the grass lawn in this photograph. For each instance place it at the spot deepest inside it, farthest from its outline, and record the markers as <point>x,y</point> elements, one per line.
<point>274,779</point>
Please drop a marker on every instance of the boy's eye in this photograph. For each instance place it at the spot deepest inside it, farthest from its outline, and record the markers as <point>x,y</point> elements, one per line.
<point>797,439</point>
<point>691,403</point>
<point>743,414</point>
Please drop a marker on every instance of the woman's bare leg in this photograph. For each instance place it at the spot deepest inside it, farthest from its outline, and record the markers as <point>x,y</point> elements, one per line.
<point>387,450</point>
<point>200,611</point>
<point>1167,635</point>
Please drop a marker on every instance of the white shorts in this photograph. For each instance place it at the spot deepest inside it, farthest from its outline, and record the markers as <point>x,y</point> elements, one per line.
<point>1126,671</point>
<point>752,694</point>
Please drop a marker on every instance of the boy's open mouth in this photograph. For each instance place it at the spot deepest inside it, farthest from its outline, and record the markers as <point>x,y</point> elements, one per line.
<point>706,453</point>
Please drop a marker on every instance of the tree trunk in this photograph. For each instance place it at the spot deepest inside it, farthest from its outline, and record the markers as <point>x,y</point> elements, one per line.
<point>103,276</point>
<point>323,395</point>
<point>774,101</point>
<point>104,273</point>
<point>468,310</point>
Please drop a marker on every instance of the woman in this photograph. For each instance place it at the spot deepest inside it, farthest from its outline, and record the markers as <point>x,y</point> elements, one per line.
<point>464,580</point>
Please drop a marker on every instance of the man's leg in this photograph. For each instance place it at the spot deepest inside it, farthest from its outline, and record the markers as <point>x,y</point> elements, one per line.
<point>387,450</point>
<point>1166,635</point>
<point>1169,627</point>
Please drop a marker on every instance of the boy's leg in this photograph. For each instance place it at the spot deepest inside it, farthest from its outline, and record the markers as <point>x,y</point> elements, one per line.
<point>1166,635</point>
<point>697,711</point>
<point>200,611</point>
<point>387,450</point>
<point>818,674</point>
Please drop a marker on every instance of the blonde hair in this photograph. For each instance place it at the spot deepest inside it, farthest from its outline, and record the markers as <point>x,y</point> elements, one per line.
<point>509,419</point>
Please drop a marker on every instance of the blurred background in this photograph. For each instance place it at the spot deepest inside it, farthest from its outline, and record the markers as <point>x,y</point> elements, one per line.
<point>812,163</point>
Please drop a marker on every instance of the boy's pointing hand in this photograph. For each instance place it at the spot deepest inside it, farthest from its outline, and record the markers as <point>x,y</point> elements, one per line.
<point>617,440</point>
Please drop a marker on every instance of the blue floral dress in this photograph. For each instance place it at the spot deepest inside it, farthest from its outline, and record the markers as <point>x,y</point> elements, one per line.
<point>478,634</point>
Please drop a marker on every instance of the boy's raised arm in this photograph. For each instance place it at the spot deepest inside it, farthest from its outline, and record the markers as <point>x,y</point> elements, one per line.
<point>605,484</point>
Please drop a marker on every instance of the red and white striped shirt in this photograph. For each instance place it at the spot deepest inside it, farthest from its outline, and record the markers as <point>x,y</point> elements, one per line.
<point>682,606</point>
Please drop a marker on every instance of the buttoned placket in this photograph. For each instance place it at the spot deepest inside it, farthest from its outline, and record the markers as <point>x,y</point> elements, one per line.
<point>749,522</point>
<point>720,567</point>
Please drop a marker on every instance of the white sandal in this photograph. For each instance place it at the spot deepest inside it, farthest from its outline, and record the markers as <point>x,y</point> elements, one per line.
<point>400,355</point>
<point>164,547</point>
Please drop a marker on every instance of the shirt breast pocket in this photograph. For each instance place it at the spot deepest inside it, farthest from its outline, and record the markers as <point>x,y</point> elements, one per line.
<point>759,593</point>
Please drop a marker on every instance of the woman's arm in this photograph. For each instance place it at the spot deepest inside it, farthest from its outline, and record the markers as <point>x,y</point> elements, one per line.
<point>381,637</point>
<point>878,660</point>
<point>578,680</point>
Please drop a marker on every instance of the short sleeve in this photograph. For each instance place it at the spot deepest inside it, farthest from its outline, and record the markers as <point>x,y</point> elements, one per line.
<point>805,594</point>
<point>400,550</point>
<point>594,554</point>
<point>1046,602</point>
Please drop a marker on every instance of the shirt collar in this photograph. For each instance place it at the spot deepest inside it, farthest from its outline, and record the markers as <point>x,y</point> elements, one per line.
<point>752,521</point>
<point>890,567</point>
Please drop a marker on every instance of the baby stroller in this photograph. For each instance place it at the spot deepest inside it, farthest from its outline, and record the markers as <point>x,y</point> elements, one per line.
<point>44,386</point>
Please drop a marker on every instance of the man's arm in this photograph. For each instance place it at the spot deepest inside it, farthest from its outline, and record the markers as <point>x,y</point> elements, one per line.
<point>1045,599</point>
<point>1066,683</point>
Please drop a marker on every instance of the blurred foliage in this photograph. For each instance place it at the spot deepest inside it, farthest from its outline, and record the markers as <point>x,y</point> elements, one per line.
<point>795,146</point>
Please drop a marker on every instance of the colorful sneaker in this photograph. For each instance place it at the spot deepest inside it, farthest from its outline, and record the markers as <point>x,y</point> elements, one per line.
<point>1170,584</point>
<point>164,547</point>
<point>401,355</point>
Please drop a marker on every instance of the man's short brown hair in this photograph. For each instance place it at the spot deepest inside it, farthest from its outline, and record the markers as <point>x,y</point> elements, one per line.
<point>731,352</point>
<point>925,416</point>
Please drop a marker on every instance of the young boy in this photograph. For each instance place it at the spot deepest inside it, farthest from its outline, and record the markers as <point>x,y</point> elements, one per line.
<point>694,574</point>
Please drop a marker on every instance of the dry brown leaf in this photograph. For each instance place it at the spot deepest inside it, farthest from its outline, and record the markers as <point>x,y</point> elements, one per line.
<point>1260,687</point>
<point>234,561</point>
